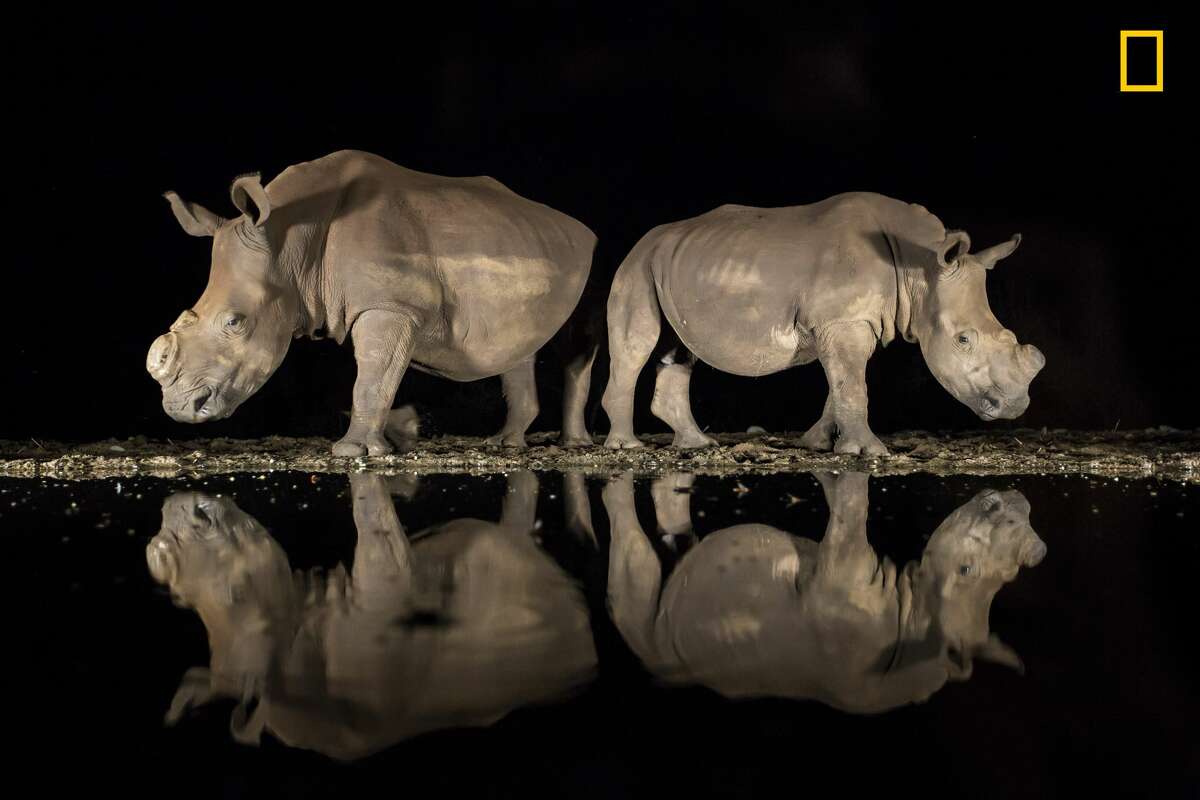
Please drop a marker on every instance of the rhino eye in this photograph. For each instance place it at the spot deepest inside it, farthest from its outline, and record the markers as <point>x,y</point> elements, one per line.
<point>234,322</point>
<point>964,570</point>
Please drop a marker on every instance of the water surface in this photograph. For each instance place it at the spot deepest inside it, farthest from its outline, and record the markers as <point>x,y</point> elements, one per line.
<point>287,633</point>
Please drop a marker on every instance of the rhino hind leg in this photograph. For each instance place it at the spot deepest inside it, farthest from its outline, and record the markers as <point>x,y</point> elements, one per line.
<point>634,324</point>
<point>520,394</point>
<point>577,511</point>
<point>843,350</point>
<point>672,495</point>
<point>577,382</point>
<point>673,403</point>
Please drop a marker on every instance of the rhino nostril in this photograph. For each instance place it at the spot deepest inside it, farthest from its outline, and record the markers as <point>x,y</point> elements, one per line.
<point>201,400</point>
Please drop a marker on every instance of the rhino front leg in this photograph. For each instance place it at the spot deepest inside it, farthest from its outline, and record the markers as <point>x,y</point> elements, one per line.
<point>519,511</point>
<point>520,393</point>
<point>383,343</point>
<point>843,350</point>
<point>672,401</point>
<point>382,575</point>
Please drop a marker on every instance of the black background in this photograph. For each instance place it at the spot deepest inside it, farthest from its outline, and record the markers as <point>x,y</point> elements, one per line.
<point>998,119</point>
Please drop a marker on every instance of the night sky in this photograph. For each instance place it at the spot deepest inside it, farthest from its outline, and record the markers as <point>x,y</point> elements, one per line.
<point>998,121</point>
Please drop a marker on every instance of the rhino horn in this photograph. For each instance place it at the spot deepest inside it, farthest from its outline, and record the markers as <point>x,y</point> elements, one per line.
<point>193,217</point>
<point>953,247</point>
<point>195,689</point>
<point>998,652</point>
<point>246,726</point>
<point>990,256</point>
<point>251,198</point>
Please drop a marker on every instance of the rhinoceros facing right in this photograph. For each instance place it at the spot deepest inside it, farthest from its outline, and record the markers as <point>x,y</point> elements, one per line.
<point>754,611</point>
<point>753,291</point>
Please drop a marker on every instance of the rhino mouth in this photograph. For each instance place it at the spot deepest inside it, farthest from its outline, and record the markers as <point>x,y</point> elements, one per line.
<point>203,404</point>
<point>993,406</point>
<point>200,402</point>
<point>989,408</point>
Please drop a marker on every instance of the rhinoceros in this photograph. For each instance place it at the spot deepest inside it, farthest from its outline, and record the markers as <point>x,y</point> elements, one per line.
<point>754,611</point>
<point>456,627</point>
<point>459,277</point>
<point>753,291</point>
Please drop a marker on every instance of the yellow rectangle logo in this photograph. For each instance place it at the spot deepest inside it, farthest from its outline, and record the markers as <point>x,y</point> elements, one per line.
<point>1157,86</point>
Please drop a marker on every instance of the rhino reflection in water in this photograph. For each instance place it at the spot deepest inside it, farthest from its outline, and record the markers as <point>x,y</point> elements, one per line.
<point>458,626</point>
<point>754,611</point>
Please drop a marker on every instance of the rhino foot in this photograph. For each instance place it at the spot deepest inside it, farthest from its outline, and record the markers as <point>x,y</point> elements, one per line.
<point>578,440</point>
<point>690,440</point>
<point>355,446</point>
<point>866,444</point>
<point>818,437</point>
<point>617,441</point>
<point>503,439</point>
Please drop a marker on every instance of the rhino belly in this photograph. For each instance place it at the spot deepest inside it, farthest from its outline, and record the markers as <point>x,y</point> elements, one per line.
<point>499,311</point>
<point>741,332</point>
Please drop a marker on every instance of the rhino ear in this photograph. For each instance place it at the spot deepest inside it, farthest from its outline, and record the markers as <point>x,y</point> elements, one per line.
<point>953,247</point>
<point>998,652</point>
<point>193,217</point>
<point>251,198</point>
<point>990,256</point>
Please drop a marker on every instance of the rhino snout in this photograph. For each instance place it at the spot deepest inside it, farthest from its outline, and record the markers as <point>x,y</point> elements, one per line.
<point>163,358</point>
<point>993,407</point>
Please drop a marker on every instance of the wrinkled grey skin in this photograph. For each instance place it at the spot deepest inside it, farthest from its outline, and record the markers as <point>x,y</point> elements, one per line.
<point>457,627</point>
<point>754,611</point>
<point>753,291</point>
<point>459,277</point>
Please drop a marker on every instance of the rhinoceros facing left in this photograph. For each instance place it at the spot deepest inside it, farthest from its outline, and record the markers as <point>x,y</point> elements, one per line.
<point>460,277</point>
<point>753,291</point>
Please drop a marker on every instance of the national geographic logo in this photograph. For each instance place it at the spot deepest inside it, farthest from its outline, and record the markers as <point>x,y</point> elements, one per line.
<point>1141,61</point>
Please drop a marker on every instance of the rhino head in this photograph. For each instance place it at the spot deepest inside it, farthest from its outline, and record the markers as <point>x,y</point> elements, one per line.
<point>218,560</point>
<point>972,554</point>
<point>971,354</point>
<point>224,348</point>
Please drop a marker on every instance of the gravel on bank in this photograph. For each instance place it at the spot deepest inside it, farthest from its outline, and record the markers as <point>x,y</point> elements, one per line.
<point>1163,452</point>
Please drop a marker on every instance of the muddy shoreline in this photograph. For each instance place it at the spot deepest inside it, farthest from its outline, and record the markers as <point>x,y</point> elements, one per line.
<point>1162,452</point>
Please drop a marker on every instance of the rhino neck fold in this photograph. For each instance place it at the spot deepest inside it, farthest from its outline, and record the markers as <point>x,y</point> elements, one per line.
<point>302,264</point>
<point>913,617</point>
<point>911,288</point>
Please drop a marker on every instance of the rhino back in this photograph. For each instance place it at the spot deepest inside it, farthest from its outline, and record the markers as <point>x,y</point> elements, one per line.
<point>746,288</point>
<point>495,274</point>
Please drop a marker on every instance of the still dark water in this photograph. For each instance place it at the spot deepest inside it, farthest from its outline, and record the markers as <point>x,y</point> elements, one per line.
<point>542,634</point>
